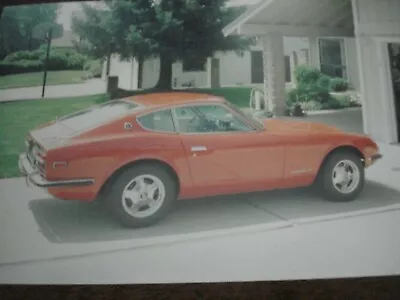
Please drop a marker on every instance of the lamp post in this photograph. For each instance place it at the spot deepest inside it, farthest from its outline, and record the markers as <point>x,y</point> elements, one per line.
<point>47,31</point>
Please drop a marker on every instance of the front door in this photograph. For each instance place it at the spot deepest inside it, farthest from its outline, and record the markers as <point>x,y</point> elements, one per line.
<point>225,154</point>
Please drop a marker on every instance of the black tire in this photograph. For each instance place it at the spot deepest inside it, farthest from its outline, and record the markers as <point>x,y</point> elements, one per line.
<point>114,195</point>
<point>325,185</point>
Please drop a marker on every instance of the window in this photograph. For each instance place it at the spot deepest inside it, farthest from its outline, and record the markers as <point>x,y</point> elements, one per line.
<point>194,65</point>
<point>332,57</point>
<point>158,121</point>
<point>97,115</point>
<point>209,118</point>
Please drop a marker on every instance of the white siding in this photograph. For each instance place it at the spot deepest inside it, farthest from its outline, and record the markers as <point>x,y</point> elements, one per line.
<point>126,72</point>
<point>151,69</point>
<point>378,20</point>
<point>234,69</point>
<point>352,63</point>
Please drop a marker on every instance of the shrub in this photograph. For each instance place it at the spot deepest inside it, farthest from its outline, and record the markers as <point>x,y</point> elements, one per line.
<point>339,85</point>
<point>311,106</point>
<point>24,66</point>
<point>75,61</point>
<point>304,94</point>
<point>56,62</point>
<point>59,59</point>
<point>23,56</point>
<point>94,68</point>
<point>324,81</point>
<point>307,76</point>
<point>333,103</point>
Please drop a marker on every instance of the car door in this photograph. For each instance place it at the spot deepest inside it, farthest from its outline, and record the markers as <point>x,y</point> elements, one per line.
<point>225,159</point>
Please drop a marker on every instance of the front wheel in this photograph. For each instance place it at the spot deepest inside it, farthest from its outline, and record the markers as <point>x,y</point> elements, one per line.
<point>142,195</point>
<point>342,177</point>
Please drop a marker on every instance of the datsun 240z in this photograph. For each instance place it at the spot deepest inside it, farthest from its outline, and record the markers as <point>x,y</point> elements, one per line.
<point>143,153</point>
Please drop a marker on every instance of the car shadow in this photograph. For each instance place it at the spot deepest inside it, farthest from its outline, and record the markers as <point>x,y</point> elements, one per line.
<point>72,222</point>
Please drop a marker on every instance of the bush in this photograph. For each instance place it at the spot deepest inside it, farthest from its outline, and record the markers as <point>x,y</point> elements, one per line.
<point>339,85</point>
<point>59,59</point>
<point>24,66</point>
<point>348,101</point>
<point>94,68</point>
<point>324,81</point>
<point>311,106</point>
<point>333,103</point>
<point>307,76</point>
<point>23,56</point>
<point>303,94</point>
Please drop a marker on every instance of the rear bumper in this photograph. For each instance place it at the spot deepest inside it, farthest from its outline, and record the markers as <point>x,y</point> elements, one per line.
<point>32,176</point>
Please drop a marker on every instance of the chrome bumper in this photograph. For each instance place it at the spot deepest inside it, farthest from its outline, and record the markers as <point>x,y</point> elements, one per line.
<point>32,176</point>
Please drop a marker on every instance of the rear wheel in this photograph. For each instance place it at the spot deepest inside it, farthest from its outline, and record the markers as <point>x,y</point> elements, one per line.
<point>342,177</point>
<point>142,195</point>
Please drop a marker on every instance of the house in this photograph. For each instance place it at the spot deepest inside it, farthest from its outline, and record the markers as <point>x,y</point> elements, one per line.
<point>335,56</point>
<point>366,31</point>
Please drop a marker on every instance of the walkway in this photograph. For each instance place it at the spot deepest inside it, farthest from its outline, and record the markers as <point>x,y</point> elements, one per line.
<point>90,87</point>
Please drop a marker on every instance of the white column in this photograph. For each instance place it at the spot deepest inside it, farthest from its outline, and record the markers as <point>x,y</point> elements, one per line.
<point>274,68</point>
<point>209,72</point>
<point>314,52</point>
<point>293,66</point>
<point>134,74</point>
<point>359,46</point>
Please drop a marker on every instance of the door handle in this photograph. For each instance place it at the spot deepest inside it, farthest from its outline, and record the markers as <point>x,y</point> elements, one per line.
<point>198,148</point>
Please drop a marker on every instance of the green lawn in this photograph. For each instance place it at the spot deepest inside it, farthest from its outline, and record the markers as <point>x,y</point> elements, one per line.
<point>19,117</point>
<point>36,79</point>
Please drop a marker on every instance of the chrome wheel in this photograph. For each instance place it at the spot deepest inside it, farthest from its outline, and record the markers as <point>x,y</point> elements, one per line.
<point>346,176</point>
<point>143,196</point>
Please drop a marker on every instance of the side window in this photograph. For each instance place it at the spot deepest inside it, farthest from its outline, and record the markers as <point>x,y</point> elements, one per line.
<point>208,118</point>
<point>158,121</point>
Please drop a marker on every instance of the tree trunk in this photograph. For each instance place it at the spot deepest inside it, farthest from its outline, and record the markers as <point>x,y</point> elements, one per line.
<point>108,65</point>
<point>140,72</point>
<point>165,77</point>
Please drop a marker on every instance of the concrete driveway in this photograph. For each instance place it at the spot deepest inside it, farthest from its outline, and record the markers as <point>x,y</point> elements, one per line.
<point>34,227</point>
<point>90,87</point>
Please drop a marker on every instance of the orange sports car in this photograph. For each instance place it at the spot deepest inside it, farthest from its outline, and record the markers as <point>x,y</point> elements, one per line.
<point>140,154</point>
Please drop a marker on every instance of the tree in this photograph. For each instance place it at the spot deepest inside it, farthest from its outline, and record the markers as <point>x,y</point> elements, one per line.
<point>32,15</point>
<point>93,30</point>
<point>173,30</point>
<point>17,23</point>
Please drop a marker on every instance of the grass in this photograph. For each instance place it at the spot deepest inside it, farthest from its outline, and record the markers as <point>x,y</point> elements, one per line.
<point>36,79</point>
<point>19,117</point>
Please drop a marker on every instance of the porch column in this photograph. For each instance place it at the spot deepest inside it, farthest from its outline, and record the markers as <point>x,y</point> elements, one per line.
<point>274,72</point>
<point>134,73</point>
<point>213,72</point>
<point>314,52</point>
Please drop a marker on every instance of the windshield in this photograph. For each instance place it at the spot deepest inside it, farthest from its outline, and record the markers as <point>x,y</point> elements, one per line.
<point>248,116</point>
<point>97,115</point>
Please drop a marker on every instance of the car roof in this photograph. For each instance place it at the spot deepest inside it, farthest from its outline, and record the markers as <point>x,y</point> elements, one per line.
<point>166,99</point>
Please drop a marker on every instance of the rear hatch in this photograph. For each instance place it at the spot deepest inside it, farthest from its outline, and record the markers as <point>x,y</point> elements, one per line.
<point>61,130</point>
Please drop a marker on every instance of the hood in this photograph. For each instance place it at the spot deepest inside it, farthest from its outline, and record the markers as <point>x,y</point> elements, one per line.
<point>293,126</point>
